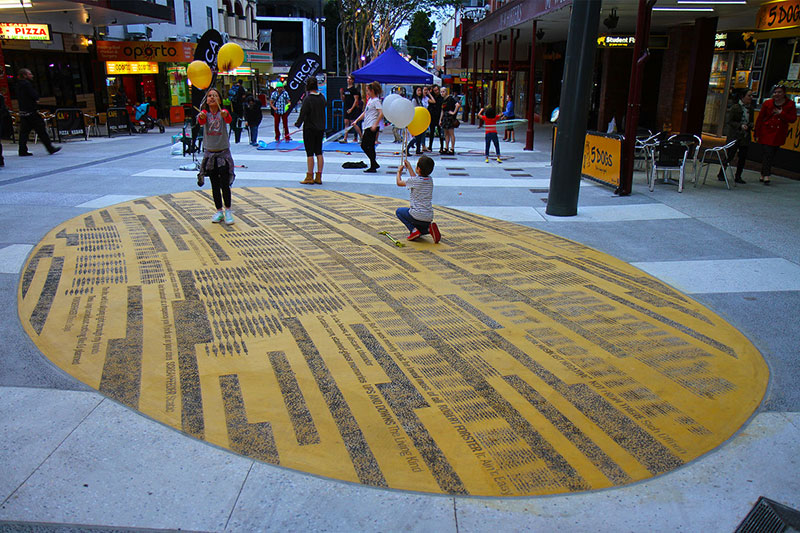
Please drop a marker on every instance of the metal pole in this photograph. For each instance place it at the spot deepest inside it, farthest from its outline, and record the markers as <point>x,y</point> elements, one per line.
<point>640,56</point>
<point>531,111</point>
<point>337,48</point>
<point>426,53</point>
<point>565,177</point>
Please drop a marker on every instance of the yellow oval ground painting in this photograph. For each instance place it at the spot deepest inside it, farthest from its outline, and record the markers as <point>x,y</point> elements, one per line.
<point>503,361</point>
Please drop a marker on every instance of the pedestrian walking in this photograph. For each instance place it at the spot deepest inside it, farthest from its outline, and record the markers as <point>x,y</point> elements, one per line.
<point>217,161</point>
<point>738,125</point>
<point>372,115</point>
<point>772,127</point>
<point>30,119</point>
<point>312,118</point>
<point>252,116</point>
<point>279,102</point>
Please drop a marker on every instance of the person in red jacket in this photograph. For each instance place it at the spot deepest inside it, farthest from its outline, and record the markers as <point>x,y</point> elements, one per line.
<point>772,127</point>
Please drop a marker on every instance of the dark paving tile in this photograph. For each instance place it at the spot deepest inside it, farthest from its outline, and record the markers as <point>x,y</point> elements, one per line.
<point>655,240</point>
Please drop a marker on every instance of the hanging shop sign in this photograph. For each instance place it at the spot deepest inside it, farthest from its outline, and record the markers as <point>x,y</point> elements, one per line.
<point>733,40</point>
<point>627,41</point>
<point>257,56</point>
<point>24,32</point>
<point>172,52</point>
<point>131,67</point>
<point>780,14</point>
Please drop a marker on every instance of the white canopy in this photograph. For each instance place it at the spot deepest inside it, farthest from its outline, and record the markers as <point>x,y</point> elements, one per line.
<point>436,79</point>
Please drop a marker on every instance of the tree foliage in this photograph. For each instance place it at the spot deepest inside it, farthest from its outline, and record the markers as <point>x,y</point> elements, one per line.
<point>419,35</point>
<point>368,26</point>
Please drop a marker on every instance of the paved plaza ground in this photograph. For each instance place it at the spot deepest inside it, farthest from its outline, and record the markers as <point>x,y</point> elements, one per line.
<point>71,455</point>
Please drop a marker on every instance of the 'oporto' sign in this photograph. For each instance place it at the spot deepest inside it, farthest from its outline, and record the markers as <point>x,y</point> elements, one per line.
<point>177,52</point>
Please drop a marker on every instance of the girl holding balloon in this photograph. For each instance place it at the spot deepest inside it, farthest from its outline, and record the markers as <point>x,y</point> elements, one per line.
<point>217,161</point>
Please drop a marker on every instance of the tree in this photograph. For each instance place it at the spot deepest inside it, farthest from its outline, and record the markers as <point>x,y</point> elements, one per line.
<point>419,35</point>
<point>369,25</point>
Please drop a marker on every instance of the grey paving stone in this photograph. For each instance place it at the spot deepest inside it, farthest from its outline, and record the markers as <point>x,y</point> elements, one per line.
<point>275,499</point>
<point>34,422</point>
<point>119,469</point>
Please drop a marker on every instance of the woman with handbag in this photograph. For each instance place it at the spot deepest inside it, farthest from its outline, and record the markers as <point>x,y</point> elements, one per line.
<point>449,121</point>
<point>772,127</point>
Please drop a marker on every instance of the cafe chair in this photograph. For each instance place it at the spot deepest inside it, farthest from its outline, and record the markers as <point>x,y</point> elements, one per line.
<point>642,148</point>
<point>692,143</point>
<point>717,156</point>
<point>668,156</point>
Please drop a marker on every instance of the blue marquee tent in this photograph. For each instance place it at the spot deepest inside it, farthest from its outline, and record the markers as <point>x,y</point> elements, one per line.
<point>391,67</point>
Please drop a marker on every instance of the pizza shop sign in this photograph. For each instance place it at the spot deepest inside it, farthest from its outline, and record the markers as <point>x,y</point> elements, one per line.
<point>24,32</point>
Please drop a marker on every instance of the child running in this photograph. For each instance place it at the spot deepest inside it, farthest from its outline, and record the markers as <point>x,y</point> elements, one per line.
<point>489,118</point>
<point>217,161</point>
<point>419,217</point>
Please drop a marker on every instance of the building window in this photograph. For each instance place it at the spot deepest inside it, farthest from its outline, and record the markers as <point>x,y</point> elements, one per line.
<point>187,12</point>
<point>210,18</point>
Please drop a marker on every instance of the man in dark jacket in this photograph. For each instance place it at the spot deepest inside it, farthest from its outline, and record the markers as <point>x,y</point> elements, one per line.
<point>237,95</point>
<point>738,125</point>
<point>30,119</point>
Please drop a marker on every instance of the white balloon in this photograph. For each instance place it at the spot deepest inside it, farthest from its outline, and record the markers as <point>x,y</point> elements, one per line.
<point>402,112</point>
<point>387,105</point>
<point>389,99</point>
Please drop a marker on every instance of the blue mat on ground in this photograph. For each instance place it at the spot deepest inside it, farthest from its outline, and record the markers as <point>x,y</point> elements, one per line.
<point>333,146</point>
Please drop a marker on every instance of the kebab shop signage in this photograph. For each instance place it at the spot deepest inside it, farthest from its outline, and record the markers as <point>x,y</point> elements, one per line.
<point>24,32</point>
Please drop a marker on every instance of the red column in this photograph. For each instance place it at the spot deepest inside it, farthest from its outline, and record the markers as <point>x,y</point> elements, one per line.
<point>512,48</point>
<point>474,85</point>
<point>494,66</point>
<point>529,115</point>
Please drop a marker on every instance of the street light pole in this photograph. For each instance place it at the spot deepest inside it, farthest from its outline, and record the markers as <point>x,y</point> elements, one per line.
<point>424,50</point>
<point>337,48</point>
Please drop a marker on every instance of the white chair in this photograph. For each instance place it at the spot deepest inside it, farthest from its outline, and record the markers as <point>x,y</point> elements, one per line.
<point>717,155</point>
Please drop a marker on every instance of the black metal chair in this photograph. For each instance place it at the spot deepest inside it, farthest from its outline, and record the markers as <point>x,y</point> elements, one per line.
<point>693,144</point>
<point>668,156</point>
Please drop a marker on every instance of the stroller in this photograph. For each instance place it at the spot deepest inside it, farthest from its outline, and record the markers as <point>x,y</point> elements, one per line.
<point>144,121</point>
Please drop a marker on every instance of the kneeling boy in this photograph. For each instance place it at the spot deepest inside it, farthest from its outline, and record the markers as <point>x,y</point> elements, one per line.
<point>419,217</point>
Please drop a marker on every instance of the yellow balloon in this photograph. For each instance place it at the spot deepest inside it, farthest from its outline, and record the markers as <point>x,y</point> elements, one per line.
<point>422,119</point>
<point>229,57</point>
<point>199,74</point>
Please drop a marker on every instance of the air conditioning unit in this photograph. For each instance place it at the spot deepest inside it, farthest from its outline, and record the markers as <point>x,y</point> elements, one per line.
<point>138,31</point>
<point>174,39</point>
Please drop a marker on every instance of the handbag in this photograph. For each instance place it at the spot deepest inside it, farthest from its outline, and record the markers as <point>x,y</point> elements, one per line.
<point>456,123</point>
